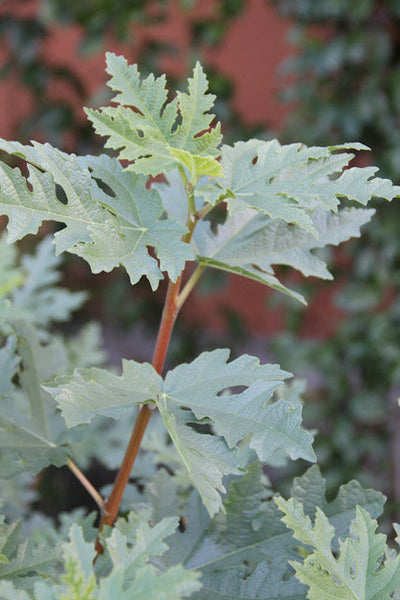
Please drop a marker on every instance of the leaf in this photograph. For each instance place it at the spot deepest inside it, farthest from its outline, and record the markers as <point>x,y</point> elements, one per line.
<point>91,392</point>
<point>38,298</point>
<point>250,243</point>
<point>9,592</point>
<point>174,584</point>
<point>128,574</point>
<point>290,182</point>
<point>198,165</point>
<point>148,542</point>
<point>85,349</point>
<point>363,570</point>
<point>204,425</point>
<point>133,573</point>
<point>29,443</point>
<point>192,398</point>
<point>23,560</point>
<point>10,276</point>
<point>79,580</point>
<point>9,362</point>
<point>106,229</point>
<point>148,134</point>
<point>246,553</point>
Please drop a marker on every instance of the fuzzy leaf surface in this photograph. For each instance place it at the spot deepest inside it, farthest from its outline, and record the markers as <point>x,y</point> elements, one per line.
<point>363,570</point>
<point>125,574</point>
<point>106,229</point>
<point>289,182</point>
<point>203,418</point>
<point>250,244</point>
<point>39,298</point>
<point>245,554</point>
<point>23,560</point>
<point>31,432</point>
<point>91,392</point>
<point>147,128</point>
<point>202,389</point>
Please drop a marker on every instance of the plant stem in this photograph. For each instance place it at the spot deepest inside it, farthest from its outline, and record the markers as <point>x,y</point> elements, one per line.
<point>170,312</point>
<point>191,282</point>
<point>111,505</point>
<point>86,483</point>
<point>173,303</point>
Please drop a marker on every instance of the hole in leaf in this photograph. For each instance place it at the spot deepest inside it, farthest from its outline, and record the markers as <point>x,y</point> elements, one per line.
<point>105,187</point>
<point>202,132</point>
<point>202,428</point>
<point>229,391</point>
<point>249,568</point>
<point>182,525</point>
<point>140,133</point>
<point>177,123</point>
<point>254,161</point>
<point>61,195</point>
<point>186,408</point>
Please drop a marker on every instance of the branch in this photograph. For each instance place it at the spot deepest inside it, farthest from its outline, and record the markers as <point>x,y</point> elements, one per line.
<point>89,487</point>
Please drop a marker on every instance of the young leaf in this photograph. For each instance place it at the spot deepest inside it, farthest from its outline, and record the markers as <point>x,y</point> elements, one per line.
<point>290,182</point>
<point>364,570</point>
<point>106,229</point>
<point>148,134</point>
<point>79,580</point>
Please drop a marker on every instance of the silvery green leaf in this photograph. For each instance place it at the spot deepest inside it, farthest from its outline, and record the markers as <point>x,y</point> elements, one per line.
<point>106,229</point>
<point>148,135</point>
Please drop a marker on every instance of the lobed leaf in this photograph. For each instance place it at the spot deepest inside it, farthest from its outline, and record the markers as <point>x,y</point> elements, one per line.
<point>23,561</point>
<point>106,229</point>
<point>246,552</point>
<point>362,570</point>
<point>250,244</point>
<point>205,419</point>
<point>289,182</point>
<point>31,431</point>
<point>91,392</point>
<point>38,299</point>
<point>148,129</point>
<point>199,392</point>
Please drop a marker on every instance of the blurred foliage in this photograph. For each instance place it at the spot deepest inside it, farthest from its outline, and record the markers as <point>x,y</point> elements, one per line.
<point>101,21</point>
<point>346,75</point>
<point>345,85</point>
<point>23,37</point>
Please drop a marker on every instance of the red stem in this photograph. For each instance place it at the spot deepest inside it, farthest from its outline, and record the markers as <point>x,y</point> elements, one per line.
<point>111,505</point>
